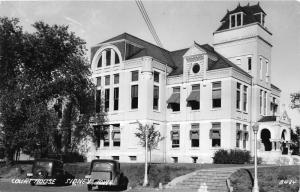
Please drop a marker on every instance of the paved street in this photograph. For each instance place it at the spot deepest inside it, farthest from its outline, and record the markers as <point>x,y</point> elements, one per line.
<point>6,186</point>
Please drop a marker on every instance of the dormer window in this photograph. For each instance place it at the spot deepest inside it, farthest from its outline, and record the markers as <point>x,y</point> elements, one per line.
<point>236,20</point>
<point>260,18</point>
<point>108,57</point>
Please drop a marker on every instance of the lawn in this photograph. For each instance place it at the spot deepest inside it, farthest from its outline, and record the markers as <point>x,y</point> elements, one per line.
<point>279,179</point>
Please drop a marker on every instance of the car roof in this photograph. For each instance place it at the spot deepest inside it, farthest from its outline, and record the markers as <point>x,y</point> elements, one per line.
<point>45,160</point>
<point>105,161</point>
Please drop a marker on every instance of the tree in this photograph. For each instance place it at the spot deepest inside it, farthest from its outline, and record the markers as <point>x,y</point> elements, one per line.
<point>295,101</point>
<point>154,136</point>
<point>36,71</point>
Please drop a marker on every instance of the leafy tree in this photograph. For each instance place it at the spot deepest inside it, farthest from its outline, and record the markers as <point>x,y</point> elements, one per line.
<point>154,136</point>
<point>46,95</point>
<point>295,101</point>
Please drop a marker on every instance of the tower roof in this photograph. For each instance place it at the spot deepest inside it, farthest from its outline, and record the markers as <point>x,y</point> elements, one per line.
<point>249,12</point>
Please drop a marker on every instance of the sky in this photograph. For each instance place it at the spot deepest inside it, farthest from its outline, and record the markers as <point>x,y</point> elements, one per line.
<point>177,23</point>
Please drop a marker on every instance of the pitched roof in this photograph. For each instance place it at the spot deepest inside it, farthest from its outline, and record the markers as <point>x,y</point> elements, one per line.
<point>267,118</point>
<point>145,49</point>
<point>249,12</point>
<point>220,63</point>
<point>274,87</point>
<point>173,59</point>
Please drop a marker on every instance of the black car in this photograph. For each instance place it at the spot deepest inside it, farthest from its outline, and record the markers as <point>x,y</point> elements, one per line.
<point>106,175</point>
<point>48,172</point>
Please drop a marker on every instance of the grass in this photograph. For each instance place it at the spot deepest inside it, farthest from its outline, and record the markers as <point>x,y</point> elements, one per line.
<point>269,179</point>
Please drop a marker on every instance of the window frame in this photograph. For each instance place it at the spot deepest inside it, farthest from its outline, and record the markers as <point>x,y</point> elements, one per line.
<point>134,99</point>
<point>214,99</point>
<point>106,99</point>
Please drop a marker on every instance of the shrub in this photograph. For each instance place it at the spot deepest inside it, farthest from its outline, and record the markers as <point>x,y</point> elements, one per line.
<point>231,157</point>
<point>72,157</point>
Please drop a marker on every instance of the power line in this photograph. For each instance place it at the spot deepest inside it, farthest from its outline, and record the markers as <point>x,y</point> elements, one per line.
<point>148,22</point>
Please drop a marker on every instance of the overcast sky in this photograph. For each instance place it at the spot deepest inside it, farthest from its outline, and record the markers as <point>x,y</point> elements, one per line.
<point>178,25</point>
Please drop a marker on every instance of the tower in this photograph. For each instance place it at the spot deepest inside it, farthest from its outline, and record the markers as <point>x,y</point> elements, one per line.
<point>243,39</point>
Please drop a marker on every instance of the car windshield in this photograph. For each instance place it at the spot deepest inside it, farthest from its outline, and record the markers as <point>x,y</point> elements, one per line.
<point>46,165</point>
<point>102,166</point>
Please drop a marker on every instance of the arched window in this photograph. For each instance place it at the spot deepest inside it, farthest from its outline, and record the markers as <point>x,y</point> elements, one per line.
<point>108,60</point>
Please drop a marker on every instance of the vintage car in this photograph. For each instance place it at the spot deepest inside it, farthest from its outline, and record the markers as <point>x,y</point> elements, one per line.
<point>48,172</point>
<point>106,175</point>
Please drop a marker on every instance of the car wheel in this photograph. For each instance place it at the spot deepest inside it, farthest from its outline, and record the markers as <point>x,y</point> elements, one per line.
<point>89,187</point>
<point>32,183</point>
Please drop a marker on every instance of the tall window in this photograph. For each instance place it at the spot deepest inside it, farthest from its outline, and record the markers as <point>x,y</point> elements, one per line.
<point>193,99</point>
<point>155,97</point>
<point>107,80</point>
<point>97,129</point>
<point>245,99</point>
<point>265,103</point>
<point>245,136</point>
<point>215,134</point>
<point>116,135</point>
<point>174,100</point>
<point>98,84</point>
<point>156,76</point>
<point>260,68</point>
<point>249,63</point>
<point>238,134</point>
<point>175,136</point>
<point>194,135</point>
<point>236,20</point>
<point>108,57</point>
<point>238,96</point>
<point>98,101</point>
<point>260,102</point>
<point>106,99</point>
<point>99,64</point>
<point>267,71</point>
<point>216,94</point>
<point>134,96</point>
<point>116,98</point>
<point>116,78</point>
<point>106,136</point>
<point>134,75</point>
<point>117,60</point>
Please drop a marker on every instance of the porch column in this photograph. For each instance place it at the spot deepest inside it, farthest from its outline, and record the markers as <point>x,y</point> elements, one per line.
<point>273,145</point>
<point>278,146</point>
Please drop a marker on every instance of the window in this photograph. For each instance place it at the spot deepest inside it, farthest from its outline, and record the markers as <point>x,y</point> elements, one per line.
<point>238,96</point>
<point>194,135</point>
<point>116,78</point>
<point>156,76</point>
<point>117,60</point>
<point>174,100</point>
<point>155,97</point>
<point>267,71</point>
<point>116,135</point>
<point>116,158</point>
<point>175,136</point>
<point>108,57</point>
<point>100,62</point>
<point>134,97</point>
<point>260,18</point>
<point>245,100</point>
<point>175,159</point>
<point>132,158</point>
<point>238,134</point>
<point>193,99</point>
<point>98,101</point>
<point>216,94</point>
<point>134,75</point>
<point>194,159</point>
<point>215,134</point>
<point>249,63</point>
<point>265,103</point>
<point>116,98</point>
<point>107,80</point>
<point>98,84</point>
<point>196,68</point>
<point>105,136</point>
<point>245,136</point>
<point>106,100</point>
<point>260,102</point>
<point>260,68</point>
<point>236,20</point>
<point>273,106</point>
<point>97,129</point>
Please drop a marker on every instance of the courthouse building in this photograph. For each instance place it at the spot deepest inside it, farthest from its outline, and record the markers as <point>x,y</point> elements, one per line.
<point>202,98</point>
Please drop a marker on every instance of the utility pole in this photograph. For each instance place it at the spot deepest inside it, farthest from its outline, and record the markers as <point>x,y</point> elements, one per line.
<point>146,158</point>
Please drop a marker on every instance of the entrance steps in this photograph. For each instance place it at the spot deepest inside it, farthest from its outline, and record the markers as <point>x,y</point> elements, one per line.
<point>212,180</point>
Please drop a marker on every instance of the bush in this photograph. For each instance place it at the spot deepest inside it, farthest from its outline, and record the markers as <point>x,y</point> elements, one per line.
<point>231,157</point>
<point>72,157</point>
